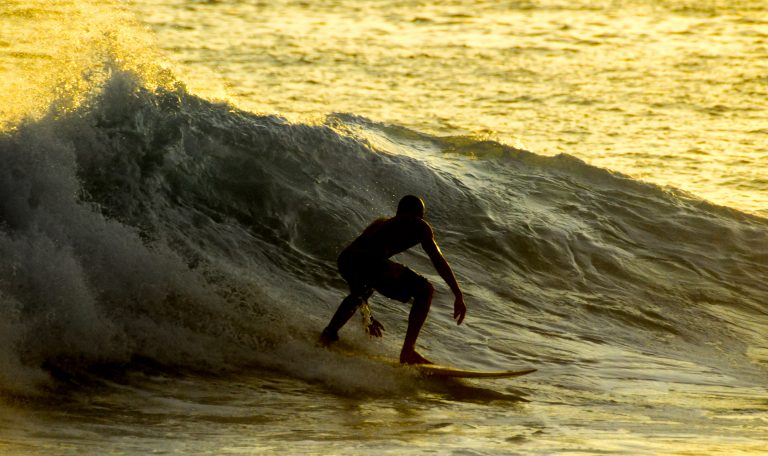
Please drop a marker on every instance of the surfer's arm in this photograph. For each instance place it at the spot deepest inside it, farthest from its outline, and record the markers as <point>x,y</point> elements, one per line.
<point>442,266</point>
<point>444,269</point>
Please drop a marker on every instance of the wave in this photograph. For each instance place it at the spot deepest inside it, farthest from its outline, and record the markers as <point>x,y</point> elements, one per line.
<point>149,223</point>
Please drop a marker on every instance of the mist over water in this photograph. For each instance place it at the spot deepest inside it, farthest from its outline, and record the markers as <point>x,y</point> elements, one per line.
<point>169,260</point>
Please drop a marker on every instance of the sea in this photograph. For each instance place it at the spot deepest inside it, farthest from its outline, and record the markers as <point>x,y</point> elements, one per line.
<point>177,178</point>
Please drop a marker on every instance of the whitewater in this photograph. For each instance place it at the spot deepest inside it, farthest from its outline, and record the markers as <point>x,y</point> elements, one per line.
<point>168,260</point>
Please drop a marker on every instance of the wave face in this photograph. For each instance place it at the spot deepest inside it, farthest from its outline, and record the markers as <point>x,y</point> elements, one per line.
<point>150,224</point>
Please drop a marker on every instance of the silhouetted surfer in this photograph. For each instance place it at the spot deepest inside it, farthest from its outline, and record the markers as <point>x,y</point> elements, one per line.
<point>366,267</point>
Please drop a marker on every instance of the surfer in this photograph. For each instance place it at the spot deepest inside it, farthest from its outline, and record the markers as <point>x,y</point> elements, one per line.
<point>366,267</point>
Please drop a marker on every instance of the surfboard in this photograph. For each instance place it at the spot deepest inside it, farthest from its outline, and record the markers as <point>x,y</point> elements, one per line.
<point>436,370</point>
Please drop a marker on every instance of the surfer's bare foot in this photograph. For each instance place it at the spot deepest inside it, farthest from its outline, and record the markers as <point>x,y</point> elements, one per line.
<point>413,358</point>
<point>328,337</point>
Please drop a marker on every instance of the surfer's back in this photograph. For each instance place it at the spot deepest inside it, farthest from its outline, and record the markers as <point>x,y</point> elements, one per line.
<point>386,237</point>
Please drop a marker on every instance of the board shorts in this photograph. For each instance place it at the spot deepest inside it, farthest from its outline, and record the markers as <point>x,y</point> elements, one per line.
<point>365,274</point>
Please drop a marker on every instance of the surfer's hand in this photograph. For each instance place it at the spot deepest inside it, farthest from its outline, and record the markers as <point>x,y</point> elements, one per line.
<point>375,328</point>
<point>459,309</point>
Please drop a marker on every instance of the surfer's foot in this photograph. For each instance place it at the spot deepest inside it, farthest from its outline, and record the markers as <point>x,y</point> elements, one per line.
<point>327,337</point>
<point>413,357</point>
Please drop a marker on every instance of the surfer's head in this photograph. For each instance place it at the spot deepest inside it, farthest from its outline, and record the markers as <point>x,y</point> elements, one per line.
<point>411,205</point>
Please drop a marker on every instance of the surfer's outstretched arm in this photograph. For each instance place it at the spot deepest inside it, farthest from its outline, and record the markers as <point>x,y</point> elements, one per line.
<point>444,269</point>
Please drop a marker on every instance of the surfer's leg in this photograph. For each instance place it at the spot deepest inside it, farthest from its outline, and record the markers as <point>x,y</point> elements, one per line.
<point>422,301</point>
<point>352,270</point>
<point>346,309</point>
<point>399,282</point>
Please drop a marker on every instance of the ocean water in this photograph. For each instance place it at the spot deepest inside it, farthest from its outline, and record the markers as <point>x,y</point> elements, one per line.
<point>178,177</point>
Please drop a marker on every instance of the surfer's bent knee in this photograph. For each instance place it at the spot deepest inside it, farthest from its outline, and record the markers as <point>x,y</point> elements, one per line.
<point>424,291</point>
